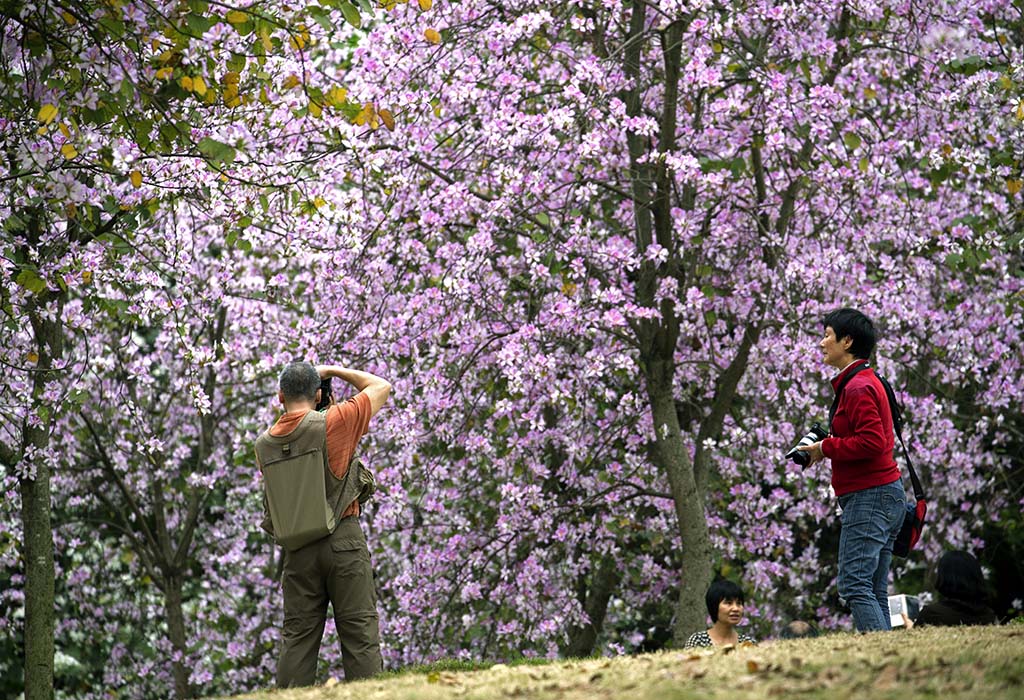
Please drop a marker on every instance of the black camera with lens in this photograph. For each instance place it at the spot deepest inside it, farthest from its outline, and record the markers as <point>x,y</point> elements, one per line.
<point>326,394</point>
<point>815,434</point>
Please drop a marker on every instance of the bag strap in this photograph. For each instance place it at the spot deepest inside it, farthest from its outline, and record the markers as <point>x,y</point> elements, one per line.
<point>897,423</point>
<point>839,392</point>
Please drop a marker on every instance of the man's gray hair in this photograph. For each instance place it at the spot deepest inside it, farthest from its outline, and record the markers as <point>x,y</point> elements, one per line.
<point>299,380</point>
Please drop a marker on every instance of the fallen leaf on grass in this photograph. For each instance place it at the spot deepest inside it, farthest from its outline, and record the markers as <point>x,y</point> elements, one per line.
<point>888,678</point>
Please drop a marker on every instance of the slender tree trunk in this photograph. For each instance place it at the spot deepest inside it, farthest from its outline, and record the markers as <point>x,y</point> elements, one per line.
<point>605,580</point>
<point>35,513</point>
<point>173,599</point>
<point>39,573</point>
<point>672,456</point>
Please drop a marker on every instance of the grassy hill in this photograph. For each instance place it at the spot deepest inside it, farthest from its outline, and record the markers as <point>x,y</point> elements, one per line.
<point>984,663</point>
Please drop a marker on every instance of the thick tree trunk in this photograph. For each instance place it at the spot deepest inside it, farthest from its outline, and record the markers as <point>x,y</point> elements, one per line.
<point>605,580</point>
<point>35,514</point>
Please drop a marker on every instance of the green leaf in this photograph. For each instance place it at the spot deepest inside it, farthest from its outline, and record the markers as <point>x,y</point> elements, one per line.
<point>236,62</point>
<point>351,13</point>
<point>199,25</point>
<point>31,281</point>
<point>322,17</point>
<point>543,219</point>
<point>217,152</point>
<point>851,140</point>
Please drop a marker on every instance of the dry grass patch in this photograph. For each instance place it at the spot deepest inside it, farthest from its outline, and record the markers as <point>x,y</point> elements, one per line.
<point>945,663</point>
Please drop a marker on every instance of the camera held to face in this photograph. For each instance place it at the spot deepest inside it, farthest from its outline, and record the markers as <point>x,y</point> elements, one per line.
<point>815,434</point>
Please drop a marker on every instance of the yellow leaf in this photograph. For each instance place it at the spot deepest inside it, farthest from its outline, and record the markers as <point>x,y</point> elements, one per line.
<point>264,98</point>
<point>319,202</point>
<point>1020,110</point>
<point>387,118</point>
<point>136,178</point>
<point>237,17</point>
<point>297,42</point>
<point>164,73</point>
<point>69,18</point>
<point>32,357</point>
<point>199,85</point>
<point>426,4</point>
<point>47,113</point>
<point>1006,82</point>
<point>64,130</point>
<point>87,276</point>
<point>268,46</point>
<point>870,93</point>
<point>1014,186</point>
<point>185,82</point>
<point>291,81</point>
<point>42,131</point>
<point>336,96</point>
<point>69,151</point>
<point>71,209</point>
<point>315,109</point>
<point>433,36</point>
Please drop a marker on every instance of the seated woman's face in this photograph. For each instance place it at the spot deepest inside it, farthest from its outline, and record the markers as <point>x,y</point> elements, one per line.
<point>730,610</point>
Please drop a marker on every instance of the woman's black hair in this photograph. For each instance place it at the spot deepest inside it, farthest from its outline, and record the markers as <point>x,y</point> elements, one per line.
<point>721,589</point>
<point>860,329</point>
<point>960,577</point>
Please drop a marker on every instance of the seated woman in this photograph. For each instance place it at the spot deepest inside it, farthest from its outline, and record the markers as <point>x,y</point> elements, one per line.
<point>725,605</point>
<point>962,594</point>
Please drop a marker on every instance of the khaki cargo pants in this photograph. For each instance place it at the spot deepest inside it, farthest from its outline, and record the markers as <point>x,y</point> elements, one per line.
<point>335,569</point>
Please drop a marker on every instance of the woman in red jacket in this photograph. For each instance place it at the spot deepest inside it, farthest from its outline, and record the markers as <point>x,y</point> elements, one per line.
<point>865,476</point>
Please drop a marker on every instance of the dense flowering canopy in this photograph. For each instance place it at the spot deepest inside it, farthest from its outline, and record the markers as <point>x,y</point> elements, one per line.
<point>573,195</point>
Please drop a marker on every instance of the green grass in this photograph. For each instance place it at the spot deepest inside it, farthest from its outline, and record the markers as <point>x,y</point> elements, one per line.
<point>934,663</point>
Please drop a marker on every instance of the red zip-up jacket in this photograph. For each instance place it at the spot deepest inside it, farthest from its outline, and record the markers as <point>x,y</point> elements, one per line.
<point>862,440</point>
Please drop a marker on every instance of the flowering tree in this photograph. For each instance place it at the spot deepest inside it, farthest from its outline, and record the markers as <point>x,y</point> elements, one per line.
<point>641,210</point>
<point>591,258</point>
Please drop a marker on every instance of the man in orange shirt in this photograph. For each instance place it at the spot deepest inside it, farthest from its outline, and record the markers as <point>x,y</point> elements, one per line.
<point>337,567</point>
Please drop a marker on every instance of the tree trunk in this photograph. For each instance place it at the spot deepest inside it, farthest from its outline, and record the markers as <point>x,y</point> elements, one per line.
<point>672,456</point>
<point>39,574</point>
<point>583,639</point>
<point>176,632</point>
<point>35,513</point>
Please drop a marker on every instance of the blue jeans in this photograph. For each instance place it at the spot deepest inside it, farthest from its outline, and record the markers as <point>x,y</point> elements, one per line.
<point>871,520</point>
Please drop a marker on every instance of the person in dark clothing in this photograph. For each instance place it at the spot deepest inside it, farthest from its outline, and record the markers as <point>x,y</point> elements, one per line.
<point>962,594</point>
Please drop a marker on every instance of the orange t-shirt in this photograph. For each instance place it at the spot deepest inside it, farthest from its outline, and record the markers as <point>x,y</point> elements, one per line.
<point>346,423</point>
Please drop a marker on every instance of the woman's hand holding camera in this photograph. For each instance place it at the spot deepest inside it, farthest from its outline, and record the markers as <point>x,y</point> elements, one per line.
<point>813,452</point>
